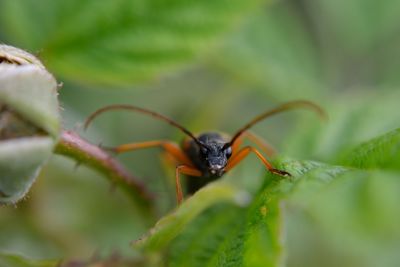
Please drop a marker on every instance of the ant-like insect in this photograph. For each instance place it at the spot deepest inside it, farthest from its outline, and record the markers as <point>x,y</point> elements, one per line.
<point>208,155</point>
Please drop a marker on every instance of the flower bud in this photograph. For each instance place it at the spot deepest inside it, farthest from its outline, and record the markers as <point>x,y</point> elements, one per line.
<point>29,121</point>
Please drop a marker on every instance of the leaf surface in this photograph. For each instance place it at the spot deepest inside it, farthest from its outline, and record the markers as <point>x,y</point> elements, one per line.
<point>120,42</point>
<point>9,260</point>
<point>171,225</point>
<point>382,152</point>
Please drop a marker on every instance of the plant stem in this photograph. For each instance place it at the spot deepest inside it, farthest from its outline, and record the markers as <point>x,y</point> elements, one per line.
<point>75,147</point>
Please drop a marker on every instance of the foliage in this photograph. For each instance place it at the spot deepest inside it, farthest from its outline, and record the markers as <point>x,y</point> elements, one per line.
<point>8,260</point>
<point>381,152</point>
<point>225,61</point>
<point>117,42</point>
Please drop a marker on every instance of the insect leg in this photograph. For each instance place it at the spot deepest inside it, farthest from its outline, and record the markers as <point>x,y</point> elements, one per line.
<point>184,170</point>
<point>170,147</point>
<point>244,152</point>
<point>268,149</point>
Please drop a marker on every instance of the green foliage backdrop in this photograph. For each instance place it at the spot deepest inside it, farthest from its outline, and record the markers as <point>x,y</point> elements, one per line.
<point>137,40</point>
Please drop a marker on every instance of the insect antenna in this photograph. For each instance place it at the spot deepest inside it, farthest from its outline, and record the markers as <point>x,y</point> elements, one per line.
<point>144,111</point>
<point>281,108</point>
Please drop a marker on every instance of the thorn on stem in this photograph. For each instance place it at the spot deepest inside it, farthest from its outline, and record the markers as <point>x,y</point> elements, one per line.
<point>280,173</point>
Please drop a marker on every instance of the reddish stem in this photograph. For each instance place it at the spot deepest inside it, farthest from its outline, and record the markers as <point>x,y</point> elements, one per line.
<point>74,146</point>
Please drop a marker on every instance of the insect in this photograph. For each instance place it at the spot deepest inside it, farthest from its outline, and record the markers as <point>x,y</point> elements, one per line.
<point>207,156</point>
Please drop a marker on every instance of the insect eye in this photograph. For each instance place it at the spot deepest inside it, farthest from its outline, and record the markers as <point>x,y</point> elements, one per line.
<point>203,150</point>
<point>228,151</point>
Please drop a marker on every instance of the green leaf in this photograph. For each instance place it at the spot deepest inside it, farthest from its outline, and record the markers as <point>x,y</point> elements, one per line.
<point>382,152</point>
<point>323,216</point>
<point>123,41</point>
<point>171,225</point>
<point>9,260</point>
<point>229,236</point>
<point>207,237</point>
<point>354,117</point>
<point>351,221</point>
<point>273,52</point>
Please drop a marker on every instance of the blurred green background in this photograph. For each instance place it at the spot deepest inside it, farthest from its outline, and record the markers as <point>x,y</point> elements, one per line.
<point>209,65</point>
